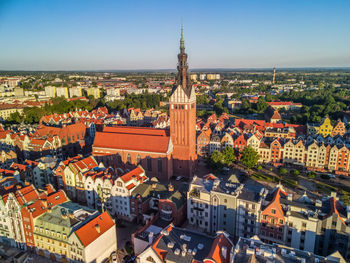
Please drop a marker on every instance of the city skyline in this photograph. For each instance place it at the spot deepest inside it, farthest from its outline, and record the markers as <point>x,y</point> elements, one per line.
<point>138,36</point>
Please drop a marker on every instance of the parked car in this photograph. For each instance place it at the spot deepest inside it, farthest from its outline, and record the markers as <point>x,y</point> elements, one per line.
<point>331,175</point>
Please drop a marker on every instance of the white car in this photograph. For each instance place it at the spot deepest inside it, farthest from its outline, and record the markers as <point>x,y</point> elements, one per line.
<point>331,175</point>
<point>179,178</point>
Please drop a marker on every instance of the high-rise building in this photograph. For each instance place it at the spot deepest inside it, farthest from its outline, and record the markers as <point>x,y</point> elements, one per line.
<point>274,76</point>
<point>183,118</point>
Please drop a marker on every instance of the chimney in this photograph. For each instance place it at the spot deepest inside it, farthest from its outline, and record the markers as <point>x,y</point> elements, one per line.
<point>318,203</point>
<point>98,229</point>
<point>224,251</point>
<point>71,215</point>
<point>44,201</point>
<point>334,194</point>
<point>171,188</point>
<point>150,237</point>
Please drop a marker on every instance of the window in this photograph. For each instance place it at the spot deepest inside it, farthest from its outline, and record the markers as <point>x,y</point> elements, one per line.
<point>128,159</point>
<point>150,259</point>
<point>119,159</point>
<point>273,211</point>
<point>149,163</point>
<point>160,165</point>
<point>138,160</point>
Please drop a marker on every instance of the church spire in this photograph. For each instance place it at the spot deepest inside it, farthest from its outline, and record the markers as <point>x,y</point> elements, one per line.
<point>182,41</point>
<point>182,77</point>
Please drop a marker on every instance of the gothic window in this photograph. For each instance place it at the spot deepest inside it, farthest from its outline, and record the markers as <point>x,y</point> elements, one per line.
<point>119,159</point>
<point>128,159</point>
<point>138,159</point>
<point>149,163</point>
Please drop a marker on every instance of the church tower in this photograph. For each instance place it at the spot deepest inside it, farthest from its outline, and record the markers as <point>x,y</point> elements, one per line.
<point>182,105</point>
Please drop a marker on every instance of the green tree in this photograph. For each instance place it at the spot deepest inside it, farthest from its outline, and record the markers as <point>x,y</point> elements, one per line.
<point>15,117</point>
<point>229,155</point>
<point>246,106</point>
<point>269,97</point>
<point>261,105</point>
<point>216,160</point>
<point>283,171</point>
<point>202,99</point>
<point>295,172</point>
<point>311,175</point>
<point>219,108</point>
<point>250,157</point>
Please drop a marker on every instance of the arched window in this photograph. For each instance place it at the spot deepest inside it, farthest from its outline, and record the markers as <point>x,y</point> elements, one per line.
<point>160,165</point>
<point>150,259</point>
<point>138,159</point>
<point>128,159</point>
<point>149,163</point>
<point>119,159</point>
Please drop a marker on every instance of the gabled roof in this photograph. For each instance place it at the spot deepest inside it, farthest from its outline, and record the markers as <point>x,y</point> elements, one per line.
<point>134,174</point>
<point>27,194</point>
<point>94,228</point>
<point>221,245</point>
<point>133,138</point>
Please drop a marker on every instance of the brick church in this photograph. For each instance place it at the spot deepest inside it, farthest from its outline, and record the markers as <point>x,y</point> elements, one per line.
<point>162,153</point>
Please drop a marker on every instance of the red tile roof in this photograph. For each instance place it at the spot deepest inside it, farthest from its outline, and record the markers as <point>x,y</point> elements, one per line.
<point>216,253</point>
<point>137,139</point>
<point>88,232</point>
<point>27,194</point>
<point>135,173</point>
<point>130,186</point>
<point>283,103</point>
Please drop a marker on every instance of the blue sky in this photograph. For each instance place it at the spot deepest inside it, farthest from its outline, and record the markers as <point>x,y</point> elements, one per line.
<point>131,34</point>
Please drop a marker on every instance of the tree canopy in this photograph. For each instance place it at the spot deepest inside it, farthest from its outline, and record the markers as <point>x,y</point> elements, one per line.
<point>250,157</point>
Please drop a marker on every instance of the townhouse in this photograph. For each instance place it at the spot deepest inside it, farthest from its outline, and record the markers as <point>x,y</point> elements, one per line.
<point>153,199</point>
<point>180,245</point>
<point>113,192</point>
<point>278,143</point>
<point>214,205</point>
<point>73,176</point>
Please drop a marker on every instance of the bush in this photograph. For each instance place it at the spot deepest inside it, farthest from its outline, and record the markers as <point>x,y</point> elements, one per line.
<point>259,168</point>
<point>311,175</point>
<point>295,172</point>
<point>283,171</point>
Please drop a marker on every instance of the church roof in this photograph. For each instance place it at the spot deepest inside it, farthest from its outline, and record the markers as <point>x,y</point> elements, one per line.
<point>132,138</point>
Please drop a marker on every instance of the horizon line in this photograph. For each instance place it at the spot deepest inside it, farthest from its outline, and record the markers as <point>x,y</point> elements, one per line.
<point>194,70</point>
